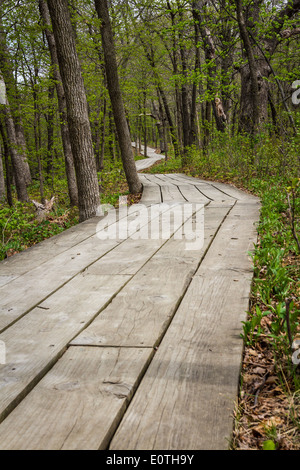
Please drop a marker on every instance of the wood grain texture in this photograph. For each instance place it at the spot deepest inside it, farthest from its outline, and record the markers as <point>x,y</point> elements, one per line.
<point>27,291</point>
<point>82,322</point>
<point>140,314</point>
<point>36,341</point>
<point>79,403</point>
<point>187,395</point>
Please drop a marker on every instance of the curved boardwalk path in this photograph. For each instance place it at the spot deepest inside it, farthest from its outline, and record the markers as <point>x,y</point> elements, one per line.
<point>130,343</point>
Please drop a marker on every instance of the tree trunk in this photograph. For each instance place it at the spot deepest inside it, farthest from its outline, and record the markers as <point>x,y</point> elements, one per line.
<point>13,98</point>
<point>111,68</point>
<point>2,180</point>
<point>145,124</point>
<point>7,166</point>
<point>249,76</point>
<point>184,95</point>
<point>17,162</point>
<point>65,135</point>
<point>210,57</point>
<point>103,129</point>
<point>254,76</point>
<point>77,110</point>
<point>50,130</point>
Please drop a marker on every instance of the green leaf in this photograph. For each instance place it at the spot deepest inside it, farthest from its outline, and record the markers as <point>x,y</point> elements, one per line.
<point>269,445</point>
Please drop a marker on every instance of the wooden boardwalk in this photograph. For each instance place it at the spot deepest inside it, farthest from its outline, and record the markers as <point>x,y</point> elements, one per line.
<point>130,343</point>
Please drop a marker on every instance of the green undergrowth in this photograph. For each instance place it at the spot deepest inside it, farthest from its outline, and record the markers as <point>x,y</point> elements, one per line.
<point>19,228</point>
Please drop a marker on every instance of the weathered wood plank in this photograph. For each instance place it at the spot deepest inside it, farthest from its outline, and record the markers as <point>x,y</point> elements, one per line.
<point>151,194</point>
<point>140,314</point>
<point>191,193</point>
<point>186,398</point>
<point>36,341</point>
<point>79,403</point>
<point>231,247</point>
<point>37,255</point>
<point>127,258</point>
<point>209,190</point>
<point>228,189</point>
<point>171,194</point>
<point>25,292</point>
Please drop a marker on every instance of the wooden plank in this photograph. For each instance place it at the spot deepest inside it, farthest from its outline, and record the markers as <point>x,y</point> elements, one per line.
<point>231,247</point>
<point>132,254</point>
<point>187,396</point>
<point>36,341</point>
<point>79,403</point>
<point>142,311</point>
<point>25,292</point>
<point>171,194</point>
<point>169,189</point>
<point>151,195</point>
<point>205,187</point>
<point>229,189</point>
<point>234,192</point>
<point>6,279</point>
<point>127,258</point>
<point>151,191</point>
<point>191,194</point>
<point>147,163</point>
<point>37,255</point>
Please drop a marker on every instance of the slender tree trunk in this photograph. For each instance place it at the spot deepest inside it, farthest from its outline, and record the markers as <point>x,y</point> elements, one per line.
<point>112,148</point>
<point>13,98</point>
<point>17,161</point>
<point>103,129</point>
<point>210,57</point>
<point>145,124</point>
<point>193,122</point>
<point>111,68</point>
<point>64,128</point>
<point>50,130</point>
<point>2,179</point>
<point>250,115</point>
<point>7,165</point>
<point>37,137</point>
<point>184,94</point>
<point>77,109</point>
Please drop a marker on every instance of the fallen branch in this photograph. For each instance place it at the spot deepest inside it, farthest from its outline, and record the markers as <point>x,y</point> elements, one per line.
<point>43,209</point>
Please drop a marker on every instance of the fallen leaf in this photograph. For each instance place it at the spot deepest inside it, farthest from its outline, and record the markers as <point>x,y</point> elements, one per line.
<point>259,371</point>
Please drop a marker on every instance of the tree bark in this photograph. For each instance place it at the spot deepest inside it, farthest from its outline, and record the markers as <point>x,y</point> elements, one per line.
<point>7,165</point>
<point>113,84</point>
<point>50,130</point>
<point>13,98</point>
<point>250,96</point>
<point>64,128</point>
<point>77,109</point>
<point>17,162</point>
<point>255,74</point>
<point>2,180</point>
<point>210,57</point>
